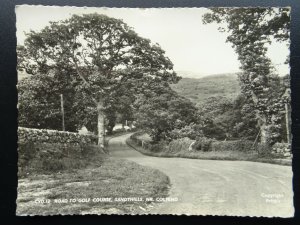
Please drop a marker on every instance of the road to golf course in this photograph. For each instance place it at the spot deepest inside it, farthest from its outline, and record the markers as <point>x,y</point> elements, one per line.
<point>212,187</point>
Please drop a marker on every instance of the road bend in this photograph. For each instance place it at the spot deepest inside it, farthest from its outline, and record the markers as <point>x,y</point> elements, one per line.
<point>215,187</point>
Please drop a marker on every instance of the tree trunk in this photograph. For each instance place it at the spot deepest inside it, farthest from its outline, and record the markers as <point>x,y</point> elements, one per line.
<point>101,125</point>
<point>263,134</point>
<point>287,123</point>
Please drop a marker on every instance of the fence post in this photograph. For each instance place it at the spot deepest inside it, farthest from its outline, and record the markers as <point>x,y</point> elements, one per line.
<point>62,111</point>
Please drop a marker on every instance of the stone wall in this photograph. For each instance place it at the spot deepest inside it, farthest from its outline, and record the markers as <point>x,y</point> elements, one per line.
<point>43,151</point>
<point>283,149</point>
<point>53,136</point>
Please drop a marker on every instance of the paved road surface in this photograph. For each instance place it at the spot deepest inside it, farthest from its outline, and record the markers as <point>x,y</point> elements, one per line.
<point>211,187</point>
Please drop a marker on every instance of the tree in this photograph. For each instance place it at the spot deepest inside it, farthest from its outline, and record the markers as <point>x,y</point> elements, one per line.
<point>39,103</point>
<point>164,111</point>
<point>192,131</point>
<point>225,118</point>
<point>245,126</point>
<point>102,52</point>
<point>119,107</point>
<point>251,31</point>
<point>218,117</point>
<point>31,108</point>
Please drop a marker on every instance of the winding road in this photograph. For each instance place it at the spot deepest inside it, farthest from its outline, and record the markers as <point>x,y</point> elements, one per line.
<point>211,187</point>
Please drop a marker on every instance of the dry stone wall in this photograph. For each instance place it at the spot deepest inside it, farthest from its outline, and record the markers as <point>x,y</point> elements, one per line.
<point>42,151</point>
<point>53,136</point>
<point>283,149</point>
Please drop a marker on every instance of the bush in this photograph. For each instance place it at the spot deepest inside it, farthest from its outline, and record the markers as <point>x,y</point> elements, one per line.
<point>203,144</point>
<point>179,145</point>
<point>135,137</point>
<point>264,149</point>
<point>239,145</point>
<point>191,131</point>
<point>156,147</point>
<point>152,146</point>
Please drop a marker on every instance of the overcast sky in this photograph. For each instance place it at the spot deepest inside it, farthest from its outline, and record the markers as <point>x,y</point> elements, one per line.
<point>191,45</point>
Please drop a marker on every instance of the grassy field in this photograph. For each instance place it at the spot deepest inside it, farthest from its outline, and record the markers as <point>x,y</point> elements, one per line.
<point>78,191</point>
<point>211,155</point>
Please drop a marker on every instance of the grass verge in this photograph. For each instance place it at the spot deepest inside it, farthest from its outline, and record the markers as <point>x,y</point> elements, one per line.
<point>212,155</point>
<point>104,177</point>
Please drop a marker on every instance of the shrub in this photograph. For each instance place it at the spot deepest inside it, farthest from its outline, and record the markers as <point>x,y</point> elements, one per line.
<point>191,131</point>
<point>156,147</point>
<point>181,144</point>
<point>150,145</point>
<point>264,149</point>
<point>203,144</point>
<point>239,145</point>
<point>135,135</point>
<point>136,138</point>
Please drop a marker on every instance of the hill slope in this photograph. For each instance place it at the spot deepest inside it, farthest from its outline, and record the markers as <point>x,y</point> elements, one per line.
<point>198,90</point>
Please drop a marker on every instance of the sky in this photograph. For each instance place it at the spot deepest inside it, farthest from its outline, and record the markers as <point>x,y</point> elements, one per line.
<point>193,47</point>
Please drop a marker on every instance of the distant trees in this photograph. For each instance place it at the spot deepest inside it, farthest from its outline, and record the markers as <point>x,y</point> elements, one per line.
<point>251,31</point>
<point>97,55</point>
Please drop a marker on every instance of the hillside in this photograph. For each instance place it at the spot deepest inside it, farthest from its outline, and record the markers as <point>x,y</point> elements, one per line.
<point>198,90</point>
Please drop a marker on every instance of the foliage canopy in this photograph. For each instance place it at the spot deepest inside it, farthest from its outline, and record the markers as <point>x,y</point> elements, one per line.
<point>251,31</point>
<point>97,55</point>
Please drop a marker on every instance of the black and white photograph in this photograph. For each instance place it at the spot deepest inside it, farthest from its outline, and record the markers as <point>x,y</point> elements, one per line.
<point>145,111</point>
